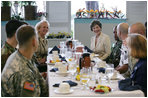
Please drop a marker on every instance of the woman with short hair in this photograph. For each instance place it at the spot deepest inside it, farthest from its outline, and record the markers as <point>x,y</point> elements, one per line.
<point>100,43</point>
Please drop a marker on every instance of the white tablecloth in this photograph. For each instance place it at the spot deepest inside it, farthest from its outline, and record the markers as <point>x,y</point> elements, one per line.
<point>78,92</point>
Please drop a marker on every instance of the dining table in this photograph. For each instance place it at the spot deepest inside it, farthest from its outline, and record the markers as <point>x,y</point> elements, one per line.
<point>54,78</point>
<point>78,91</point>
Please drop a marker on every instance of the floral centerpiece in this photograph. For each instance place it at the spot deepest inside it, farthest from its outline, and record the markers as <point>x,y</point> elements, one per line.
<point>40,15</point>
<point>81,13</point>
<point>59,35</point>
<point>103,13</point>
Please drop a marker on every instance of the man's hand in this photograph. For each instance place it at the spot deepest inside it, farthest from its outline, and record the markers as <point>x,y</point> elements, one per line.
<point>42,60</point>
<point>122,69</point>
<point>44,74</point>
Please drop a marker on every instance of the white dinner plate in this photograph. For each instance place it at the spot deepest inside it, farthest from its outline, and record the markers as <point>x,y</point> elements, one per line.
<point>57,91</point>
<point>50,63</point>
<point>63,74</point>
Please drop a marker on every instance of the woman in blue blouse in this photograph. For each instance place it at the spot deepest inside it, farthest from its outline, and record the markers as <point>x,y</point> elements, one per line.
<point>137,45</point>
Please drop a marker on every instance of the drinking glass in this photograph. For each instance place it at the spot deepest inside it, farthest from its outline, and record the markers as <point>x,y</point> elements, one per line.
<point>111,65</point>
<point>84,80</point>
<point>85,77</point>
<point>72,68</point>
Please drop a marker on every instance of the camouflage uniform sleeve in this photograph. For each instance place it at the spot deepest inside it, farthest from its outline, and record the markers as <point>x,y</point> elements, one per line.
<point>18,83</point>
<point>4,58</point>
<point>44,86</point>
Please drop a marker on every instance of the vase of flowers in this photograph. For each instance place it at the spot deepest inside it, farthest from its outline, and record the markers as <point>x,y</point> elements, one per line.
<point>59,35</point>
<point>41,15</point>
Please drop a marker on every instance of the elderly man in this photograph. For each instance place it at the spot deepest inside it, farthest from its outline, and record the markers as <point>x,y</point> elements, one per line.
<point>122,32</point>
<point>20,77</point>
<point>137,28</point>
<point>10,45</point>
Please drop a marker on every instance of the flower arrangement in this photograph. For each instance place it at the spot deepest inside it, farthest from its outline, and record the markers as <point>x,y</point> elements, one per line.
<point>59,35</point>
<point>99,14</point>
<point>39,15</point>
<point>81,13</point>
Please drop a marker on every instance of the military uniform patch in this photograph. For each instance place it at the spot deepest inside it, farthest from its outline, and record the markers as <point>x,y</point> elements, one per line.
<point>29,86</point>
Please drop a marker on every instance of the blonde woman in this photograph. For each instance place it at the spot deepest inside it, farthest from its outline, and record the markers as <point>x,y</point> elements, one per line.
<point>137,46</point>
<point>42,28</point>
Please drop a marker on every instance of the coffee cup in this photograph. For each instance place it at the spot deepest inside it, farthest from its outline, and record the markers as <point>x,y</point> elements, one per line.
<point>55,52</point>
<point>62,69</point>
<point>64,88</point>
<point>57,64</point>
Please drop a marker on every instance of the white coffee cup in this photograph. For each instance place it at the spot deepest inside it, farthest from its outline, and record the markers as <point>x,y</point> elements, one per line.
<point>62,69</point>
<point>55,57</point>
<point>64,88</point>
<point>57,64</point>
<point>55,52</point>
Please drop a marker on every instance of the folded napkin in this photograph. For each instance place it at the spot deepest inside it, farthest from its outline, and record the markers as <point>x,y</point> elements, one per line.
<point>88,50</point>
<point>54,70</point>
<point>71,83</point>
<point>101,69</point>
<point>63,59</point>
<point>55,48</point>
<point>127,85</point>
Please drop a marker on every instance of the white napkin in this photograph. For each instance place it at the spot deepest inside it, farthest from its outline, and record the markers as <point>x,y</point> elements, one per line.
<point>101,64</point>
<point>115,76</point>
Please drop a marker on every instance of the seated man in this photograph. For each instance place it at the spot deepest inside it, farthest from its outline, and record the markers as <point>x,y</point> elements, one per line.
<point>20,77</point>
<point>140,29</point>
<point>114,57</point>
<point>10,45</point>
<point>123,67</point>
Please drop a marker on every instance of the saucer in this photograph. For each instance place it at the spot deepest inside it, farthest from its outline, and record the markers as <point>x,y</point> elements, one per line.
<point>57,91</point>
<point>63,74</point>
<point>49,63</point>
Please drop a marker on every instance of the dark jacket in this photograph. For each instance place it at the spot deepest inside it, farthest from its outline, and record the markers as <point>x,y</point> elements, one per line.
<point>139,74</point>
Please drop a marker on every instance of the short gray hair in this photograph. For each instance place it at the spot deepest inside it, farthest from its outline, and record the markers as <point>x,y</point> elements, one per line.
<point>38,25</point>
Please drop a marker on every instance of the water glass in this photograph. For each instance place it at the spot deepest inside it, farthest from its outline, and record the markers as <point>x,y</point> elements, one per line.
<point>111,65</point>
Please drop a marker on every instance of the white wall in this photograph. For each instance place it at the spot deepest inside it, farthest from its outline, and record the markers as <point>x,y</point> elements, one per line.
<point>59,16</point>
<point>136,11</point>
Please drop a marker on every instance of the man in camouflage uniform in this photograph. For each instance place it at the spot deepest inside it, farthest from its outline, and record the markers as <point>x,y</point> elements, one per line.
<point>114,57</point>
<point>20,77</point>
<point>10,44</point>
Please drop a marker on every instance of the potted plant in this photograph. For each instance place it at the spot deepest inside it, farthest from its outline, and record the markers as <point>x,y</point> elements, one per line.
<point>30,9</point>
<point>15,14</point>
<point>5,10</point>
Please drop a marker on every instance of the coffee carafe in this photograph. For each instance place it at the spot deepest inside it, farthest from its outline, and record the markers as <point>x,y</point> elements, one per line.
<point>85,61</point>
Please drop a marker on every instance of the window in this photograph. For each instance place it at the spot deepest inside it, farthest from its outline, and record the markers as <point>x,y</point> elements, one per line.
<point>109,5</point>
<point>18,10</point>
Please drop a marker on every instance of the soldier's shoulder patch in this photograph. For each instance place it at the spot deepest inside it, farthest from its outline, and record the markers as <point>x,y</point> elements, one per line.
<point>29,86</point>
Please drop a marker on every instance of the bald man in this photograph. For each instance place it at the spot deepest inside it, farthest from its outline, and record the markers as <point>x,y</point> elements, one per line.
<point>122,32</point>
<point>137,28</point>
<point>140,29</point>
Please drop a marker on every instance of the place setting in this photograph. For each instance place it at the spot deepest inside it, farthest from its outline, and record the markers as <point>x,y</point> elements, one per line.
<point>64,88</point>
